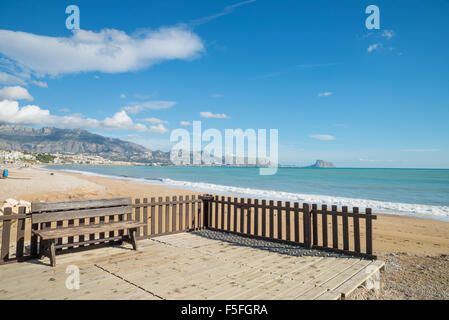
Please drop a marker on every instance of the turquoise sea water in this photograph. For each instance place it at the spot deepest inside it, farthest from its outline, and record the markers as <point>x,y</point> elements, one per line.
<point>412,192</point>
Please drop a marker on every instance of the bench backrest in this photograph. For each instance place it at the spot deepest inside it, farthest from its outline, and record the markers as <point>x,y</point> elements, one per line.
<point>43,212</point>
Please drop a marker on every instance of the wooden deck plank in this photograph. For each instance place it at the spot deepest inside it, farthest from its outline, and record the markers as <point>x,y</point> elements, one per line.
<point>345,275</point>
<point>185,266</point>
<point>360,277</point>
<point>294,286</point>
<point>310,280</point>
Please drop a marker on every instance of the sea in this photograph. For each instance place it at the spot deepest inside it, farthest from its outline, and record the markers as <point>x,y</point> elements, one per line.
<point>422,193</point>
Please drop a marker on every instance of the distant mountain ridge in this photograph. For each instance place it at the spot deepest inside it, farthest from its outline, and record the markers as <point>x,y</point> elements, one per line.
<point>321,164</point>
<point>75,141</point>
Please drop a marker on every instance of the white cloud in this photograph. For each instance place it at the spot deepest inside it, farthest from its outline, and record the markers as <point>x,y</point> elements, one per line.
<point>15,93</point>
<point>108,51</point>
<point>41,84</point>
<point>153,120</point>
<point>123,96</point>
<point>158,129</point>
<point>388,34</point>
<point>325,94</point>
<point>374,46</point>
<point>207,114</point>
<point>6,78</point>
<point>185,123</point>
<point>325,137</point>
<point>133,109</point>
<point>217,95</point>
<point>10,112</point>
<point>121,120</point>
<point>152,105</point>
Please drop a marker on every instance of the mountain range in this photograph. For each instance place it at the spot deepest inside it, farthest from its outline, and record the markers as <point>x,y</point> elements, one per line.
<point>75,141</point>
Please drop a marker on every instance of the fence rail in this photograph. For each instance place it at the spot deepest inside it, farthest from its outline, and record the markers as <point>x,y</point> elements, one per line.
<point>299,224</point>
<point>13,234</point>
<point>169,215</point>
<point>305,225</point>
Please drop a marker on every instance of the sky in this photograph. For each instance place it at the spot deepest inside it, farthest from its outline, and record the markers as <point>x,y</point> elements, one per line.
<point>335,90</point>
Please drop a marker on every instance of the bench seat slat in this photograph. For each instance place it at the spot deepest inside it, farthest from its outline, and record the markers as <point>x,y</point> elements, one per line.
<point>83,204</point>
<point>49,234</point>
<point>79,214</point>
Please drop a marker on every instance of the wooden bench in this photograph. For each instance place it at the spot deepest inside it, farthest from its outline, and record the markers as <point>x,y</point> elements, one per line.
<point>46,214</point>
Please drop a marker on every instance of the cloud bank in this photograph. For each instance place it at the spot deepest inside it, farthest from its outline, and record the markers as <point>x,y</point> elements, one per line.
<point>15,93</point>
<point>6,78</point>
<point>108,51</point>
<point>152,105</point>
<point>207,114</point>
<point>11,113</point>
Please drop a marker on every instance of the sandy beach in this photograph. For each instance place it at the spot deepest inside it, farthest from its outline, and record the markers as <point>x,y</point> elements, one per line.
<point>392,234</point>
<point>400,241</point>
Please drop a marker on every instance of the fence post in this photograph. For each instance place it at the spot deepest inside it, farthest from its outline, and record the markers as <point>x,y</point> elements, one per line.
<point>206,204</point>
<point>33,244</point>
<point>369,232</point>
<point>6,232</point>
<point>307,226</point>
<point>136,215</point>
<point>314,225</point>
<point>20,241</point>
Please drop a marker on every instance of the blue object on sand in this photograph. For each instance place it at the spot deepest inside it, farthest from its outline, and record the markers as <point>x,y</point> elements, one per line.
<point>5,173</point>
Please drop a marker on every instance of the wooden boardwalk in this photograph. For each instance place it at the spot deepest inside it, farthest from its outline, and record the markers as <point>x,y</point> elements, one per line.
<point>191,266</point>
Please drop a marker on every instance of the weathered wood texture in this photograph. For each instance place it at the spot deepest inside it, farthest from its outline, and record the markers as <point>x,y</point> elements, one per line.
<point>14,229</point>
<point>188,266</point>
<point>89,229</point>
<point>172,215</point>
<point>58,226</point>
<point>73,205</point>
<point>304,225</point>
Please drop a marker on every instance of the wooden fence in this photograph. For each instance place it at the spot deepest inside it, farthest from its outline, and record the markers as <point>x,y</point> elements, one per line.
<point>162,216</point>
<point>15,229</point>
<point>293,223</point>
<point>304,225</point>
<point>168,216</point>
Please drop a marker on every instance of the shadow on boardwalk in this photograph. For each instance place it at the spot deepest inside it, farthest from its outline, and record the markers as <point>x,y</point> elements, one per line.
<point>270,246</point>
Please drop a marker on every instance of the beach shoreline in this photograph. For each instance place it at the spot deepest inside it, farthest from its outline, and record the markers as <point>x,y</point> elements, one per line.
<point>392,233</point>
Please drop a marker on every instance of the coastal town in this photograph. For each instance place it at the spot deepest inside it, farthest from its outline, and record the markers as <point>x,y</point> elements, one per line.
<point>24,158</point>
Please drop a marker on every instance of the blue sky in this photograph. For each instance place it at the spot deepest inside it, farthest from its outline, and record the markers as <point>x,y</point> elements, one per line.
<point>334,89</point>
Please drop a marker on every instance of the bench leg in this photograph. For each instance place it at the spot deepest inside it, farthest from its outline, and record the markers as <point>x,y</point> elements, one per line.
<point>41,250</point>
<point>132,235</point>
<point>43,247</point>
<point>52,254</point>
